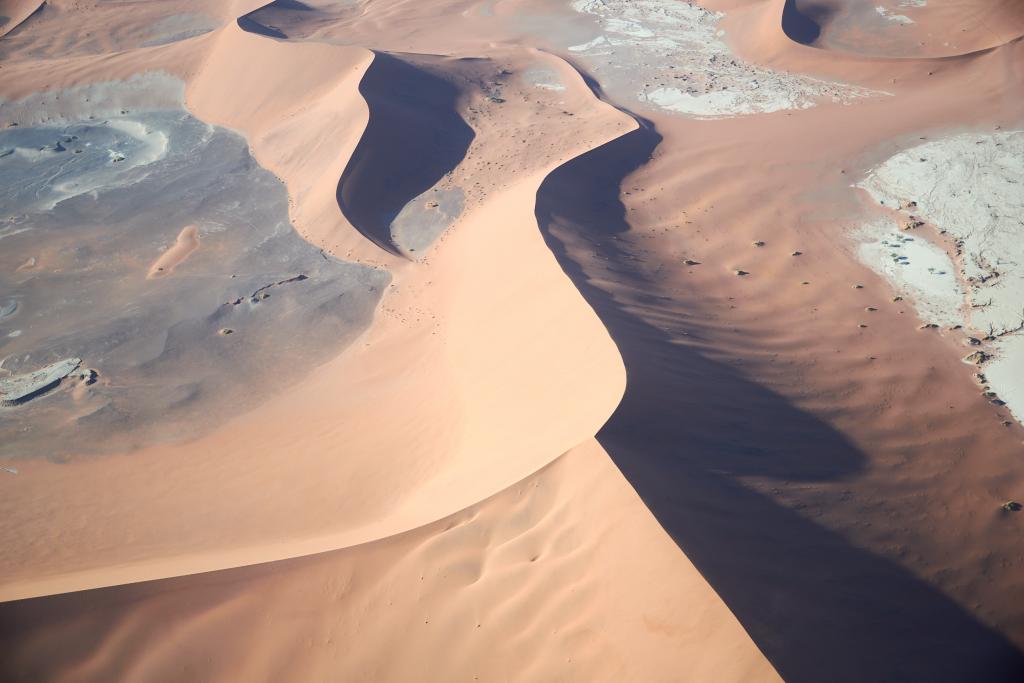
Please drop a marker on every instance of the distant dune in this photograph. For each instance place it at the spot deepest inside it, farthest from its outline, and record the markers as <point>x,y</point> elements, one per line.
<point>14,12</point>
<point>897,28</point>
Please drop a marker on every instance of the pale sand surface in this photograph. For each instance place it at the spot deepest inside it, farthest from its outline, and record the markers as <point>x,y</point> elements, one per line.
<point>564,576</point>
<point>790,477</point>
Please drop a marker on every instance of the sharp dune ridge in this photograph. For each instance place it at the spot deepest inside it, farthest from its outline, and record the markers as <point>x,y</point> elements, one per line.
<point>629,407</point>
<point>176,562</point>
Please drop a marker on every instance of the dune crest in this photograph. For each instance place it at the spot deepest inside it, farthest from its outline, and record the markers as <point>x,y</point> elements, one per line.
<point>437,442</point>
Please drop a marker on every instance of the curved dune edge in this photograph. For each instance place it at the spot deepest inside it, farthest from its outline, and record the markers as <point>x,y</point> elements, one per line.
<point>567,565</point>
<point>16,12</point>
<point>999,22</point>
<point>421,417</point>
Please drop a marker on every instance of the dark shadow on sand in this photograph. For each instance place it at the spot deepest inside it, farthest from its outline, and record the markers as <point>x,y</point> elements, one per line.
<point>414,137</point>
<point>802,23</point>
<point>250,25</point>
<point>690,428</point>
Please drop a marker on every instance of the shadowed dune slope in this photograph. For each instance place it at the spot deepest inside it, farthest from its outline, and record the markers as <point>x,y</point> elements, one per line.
<point>691,430</point>
<point>298,20</point>
<point>802,23</point>
<point>250,25</point>
<point>274,19</point>
<point>414,126</point>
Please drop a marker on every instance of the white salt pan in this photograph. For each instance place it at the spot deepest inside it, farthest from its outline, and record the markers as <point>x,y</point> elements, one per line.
<point>971,186</point>
<point>916,268</point>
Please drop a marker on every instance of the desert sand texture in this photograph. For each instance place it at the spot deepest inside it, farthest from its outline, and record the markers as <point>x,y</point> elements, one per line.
<point>531,340</point>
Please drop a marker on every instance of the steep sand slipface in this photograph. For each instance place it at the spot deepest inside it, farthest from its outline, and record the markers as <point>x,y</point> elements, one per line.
<point>442,337</point>
<point>760,416</point>
<point>563,576</point>
<point>415,124</point>
<point>970,186</point>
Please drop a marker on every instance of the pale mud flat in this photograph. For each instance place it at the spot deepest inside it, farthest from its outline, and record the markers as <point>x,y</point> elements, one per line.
<point>970,187</point>
<point>630,407</point>
<point>110,202</point>
<point>917,268</point>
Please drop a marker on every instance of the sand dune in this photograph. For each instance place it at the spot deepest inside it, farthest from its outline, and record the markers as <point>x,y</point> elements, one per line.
<point>441,418</point>
<point>635,371</point>
<point>904,28</point>
<point>14,12</point>
<point>566,565</point>
<point>709,354</point>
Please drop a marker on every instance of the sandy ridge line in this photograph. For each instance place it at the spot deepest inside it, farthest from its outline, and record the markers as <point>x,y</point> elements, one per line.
<point>202,563</point>
<point>614,591</point>
<point>17,12</point>
<point>133,571</point>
